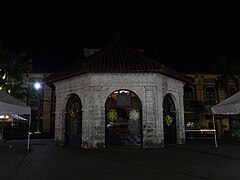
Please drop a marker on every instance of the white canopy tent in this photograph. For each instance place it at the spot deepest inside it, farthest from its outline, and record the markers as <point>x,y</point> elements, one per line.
<point>11,106</point>
<point>228,106</point>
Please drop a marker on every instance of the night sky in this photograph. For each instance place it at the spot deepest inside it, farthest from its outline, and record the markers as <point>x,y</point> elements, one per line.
<point>53,33</point>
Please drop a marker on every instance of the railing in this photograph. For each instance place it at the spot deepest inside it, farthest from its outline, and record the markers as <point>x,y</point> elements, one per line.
<point>200,133</point>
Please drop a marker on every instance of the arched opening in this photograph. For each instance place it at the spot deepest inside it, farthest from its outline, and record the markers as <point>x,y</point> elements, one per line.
<point>189,93</point>
<point>73,121</point>
<point>210,95</point>
<point>123,120</point>
<point>231,90</point>
<point>169,120</point>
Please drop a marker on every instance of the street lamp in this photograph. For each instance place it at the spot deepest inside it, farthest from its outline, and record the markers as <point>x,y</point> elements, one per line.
<point>38,86</point>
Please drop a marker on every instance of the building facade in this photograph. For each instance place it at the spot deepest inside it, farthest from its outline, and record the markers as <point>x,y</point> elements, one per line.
<point>40,97</point>
<point>206,91</point>
<point>119,98</point>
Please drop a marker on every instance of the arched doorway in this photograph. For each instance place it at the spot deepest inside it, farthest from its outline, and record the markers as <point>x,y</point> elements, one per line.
<point>169,120</point>
<point>123,117</point>
<point>73,121</point>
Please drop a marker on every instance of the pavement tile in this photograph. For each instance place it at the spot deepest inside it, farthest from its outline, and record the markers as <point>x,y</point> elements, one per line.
<point>46,160</point>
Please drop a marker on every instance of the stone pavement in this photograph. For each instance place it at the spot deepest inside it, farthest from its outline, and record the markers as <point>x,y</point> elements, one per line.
<point>46,160</point>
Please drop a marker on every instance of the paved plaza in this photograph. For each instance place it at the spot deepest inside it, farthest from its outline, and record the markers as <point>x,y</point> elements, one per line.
<point>46,160</point>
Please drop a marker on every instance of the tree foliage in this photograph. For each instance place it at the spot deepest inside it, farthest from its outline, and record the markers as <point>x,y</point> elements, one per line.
<point>228,69</point>
<point>13,67</point>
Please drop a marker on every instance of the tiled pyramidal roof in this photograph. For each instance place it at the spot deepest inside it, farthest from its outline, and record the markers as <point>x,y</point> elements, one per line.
<point>117,58</point>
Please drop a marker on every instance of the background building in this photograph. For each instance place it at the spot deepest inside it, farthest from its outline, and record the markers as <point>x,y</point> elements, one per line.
<point>40,98</point>
<point>206,91</point>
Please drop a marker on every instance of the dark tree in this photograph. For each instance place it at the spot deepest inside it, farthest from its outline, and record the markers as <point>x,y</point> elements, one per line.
<point>228,70</point>
<point>13,67</point>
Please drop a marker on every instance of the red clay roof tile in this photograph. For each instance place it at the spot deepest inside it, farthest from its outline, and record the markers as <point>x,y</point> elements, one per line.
<point>117,58</point>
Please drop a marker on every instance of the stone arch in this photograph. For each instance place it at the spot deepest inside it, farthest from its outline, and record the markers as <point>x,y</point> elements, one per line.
<point>169,120</point>
<point>189,93</point>
<point>73,121</point>
<point>210,94</point>
<point>123,120</point>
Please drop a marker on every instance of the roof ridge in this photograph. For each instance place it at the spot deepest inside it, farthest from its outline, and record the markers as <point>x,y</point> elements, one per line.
<point>118,57</point>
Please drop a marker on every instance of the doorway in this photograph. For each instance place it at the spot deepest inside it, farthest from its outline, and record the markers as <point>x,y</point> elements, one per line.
<point>123,120</point>
<point>169,120</point>
<point>73,121</point>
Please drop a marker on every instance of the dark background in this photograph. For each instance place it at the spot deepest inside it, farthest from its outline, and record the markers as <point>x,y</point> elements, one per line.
<point>183,35</point>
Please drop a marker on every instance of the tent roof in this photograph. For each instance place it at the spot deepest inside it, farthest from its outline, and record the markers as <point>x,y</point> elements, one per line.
<point>230,105</point>
<point>18,118</point>
<point>10,105</point>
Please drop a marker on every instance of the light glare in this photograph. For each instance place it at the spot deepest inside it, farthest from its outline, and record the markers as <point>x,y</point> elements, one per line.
<point>37,85</point>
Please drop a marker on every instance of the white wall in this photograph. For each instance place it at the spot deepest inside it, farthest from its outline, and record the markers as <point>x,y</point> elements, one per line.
<point>93,90</point>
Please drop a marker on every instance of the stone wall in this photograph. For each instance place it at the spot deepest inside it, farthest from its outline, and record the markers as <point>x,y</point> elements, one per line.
<point>93,90</point>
